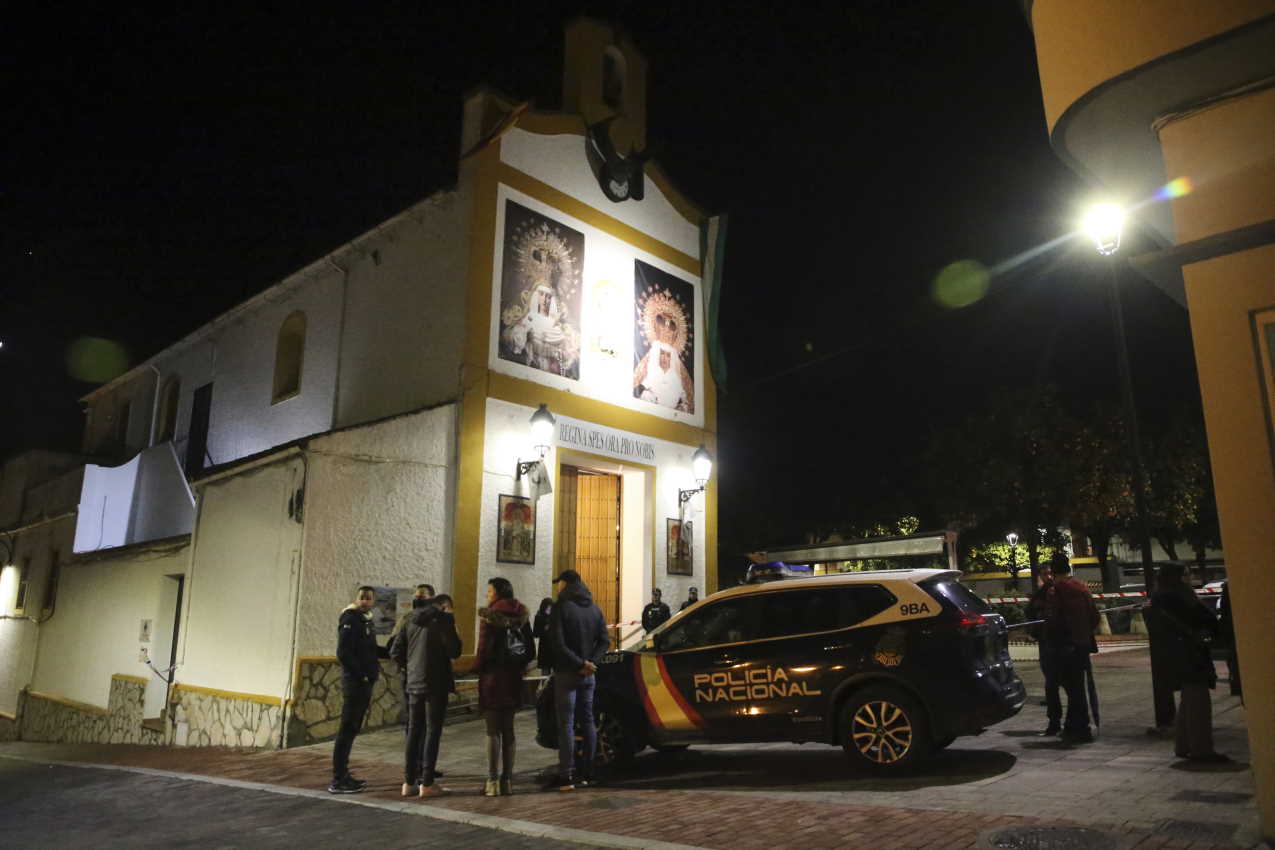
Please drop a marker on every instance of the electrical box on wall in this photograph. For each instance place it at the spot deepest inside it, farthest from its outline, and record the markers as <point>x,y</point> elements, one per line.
<point>144,633</point>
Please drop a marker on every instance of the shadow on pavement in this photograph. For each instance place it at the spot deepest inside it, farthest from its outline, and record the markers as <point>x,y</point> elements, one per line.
<point>824,769</point>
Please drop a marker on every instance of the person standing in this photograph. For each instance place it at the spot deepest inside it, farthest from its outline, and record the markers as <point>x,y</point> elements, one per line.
<point>1189,627</point>
<point>579,639</point>
<point>692,596</point>
<point>505,648</point>
<point>1048,665</point>
<point>1070,620</point>
<point>540,631</point>
<point>1163,650</point>
<point>425,649</point>
<point>358,653</point>
<point>656,612</point>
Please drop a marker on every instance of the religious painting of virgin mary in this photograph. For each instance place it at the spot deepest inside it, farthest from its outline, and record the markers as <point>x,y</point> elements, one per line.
<point>664,339</point>
<point>540,292</point>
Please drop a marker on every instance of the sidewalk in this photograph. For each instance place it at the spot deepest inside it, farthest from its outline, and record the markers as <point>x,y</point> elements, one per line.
<point>1126,786</point>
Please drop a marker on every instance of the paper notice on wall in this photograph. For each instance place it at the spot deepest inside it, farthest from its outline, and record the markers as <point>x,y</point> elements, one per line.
<point>388,607</point>
<point>144,633</point>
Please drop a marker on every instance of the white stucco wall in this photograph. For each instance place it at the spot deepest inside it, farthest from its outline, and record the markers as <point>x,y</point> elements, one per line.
<point>237,627</point>
<point>649,498</point>
<point>561,162</point>
<point>607,261</point>
<point>96,628</point>
<point>405,312</point>
<point>244,421</point>
<point>379,510</point>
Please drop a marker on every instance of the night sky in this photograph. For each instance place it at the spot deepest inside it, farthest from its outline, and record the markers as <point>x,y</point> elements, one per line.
<point>161,168</point>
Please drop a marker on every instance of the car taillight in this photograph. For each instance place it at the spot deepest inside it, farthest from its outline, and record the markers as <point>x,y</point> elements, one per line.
<point>969,621</point>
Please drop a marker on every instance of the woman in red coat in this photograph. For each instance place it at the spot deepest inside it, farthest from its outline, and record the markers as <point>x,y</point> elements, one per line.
<point>505,648</point>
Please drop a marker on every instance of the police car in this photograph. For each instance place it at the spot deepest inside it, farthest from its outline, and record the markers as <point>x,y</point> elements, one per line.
<point>891,665</point>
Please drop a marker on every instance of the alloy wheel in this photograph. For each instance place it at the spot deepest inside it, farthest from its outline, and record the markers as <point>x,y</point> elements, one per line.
<point>881,731</point>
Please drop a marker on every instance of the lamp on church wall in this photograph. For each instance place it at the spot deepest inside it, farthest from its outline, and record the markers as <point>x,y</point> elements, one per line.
<point>702,469</point>
<point>542,425</point>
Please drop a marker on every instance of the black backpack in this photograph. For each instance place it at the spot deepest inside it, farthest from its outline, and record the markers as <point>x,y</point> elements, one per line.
<point>515,648</point>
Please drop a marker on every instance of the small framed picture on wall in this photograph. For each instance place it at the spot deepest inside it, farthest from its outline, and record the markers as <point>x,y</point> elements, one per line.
<point>516,530</point>
<point>680,536</point>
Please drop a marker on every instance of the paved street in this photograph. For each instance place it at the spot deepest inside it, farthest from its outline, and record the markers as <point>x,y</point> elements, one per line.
<point>73,807</point>
<point>1127,786</point>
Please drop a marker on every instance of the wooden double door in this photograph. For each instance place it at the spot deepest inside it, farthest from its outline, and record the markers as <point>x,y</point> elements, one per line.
<point>587,539</point>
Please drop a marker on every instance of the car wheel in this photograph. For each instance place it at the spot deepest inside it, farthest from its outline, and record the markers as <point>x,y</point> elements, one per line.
<point>884,729</point>
<point>615,746</point>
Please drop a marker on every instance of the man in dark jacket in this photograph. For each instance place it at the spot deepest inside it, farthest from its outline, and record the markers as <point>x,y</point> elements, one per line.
<point>358,653</point>
<point>578,634</point>
<point>692,596</point>
<point>656,612</point>
<point>1070,620</point>
<point>425,649</point>
<point>1189,628</point>
<point>1048,667</point>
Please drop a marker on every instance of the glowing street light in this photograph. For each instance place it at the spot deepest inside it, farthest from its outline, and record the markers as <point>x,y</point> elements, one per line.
<point>701,469</point>
<point>1103,223</point>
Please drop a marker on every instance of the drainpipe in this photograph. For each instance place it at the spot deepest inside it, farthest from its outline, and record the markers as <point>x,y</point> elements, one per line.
<point>154,405</point>
<point>340,337</point>
<point>288,708</point>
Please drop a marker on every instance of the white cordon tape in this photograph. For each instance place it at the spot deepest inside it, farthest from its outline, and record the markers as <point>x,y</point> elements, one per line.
<point>629,623</point>
<point>1135,595</point>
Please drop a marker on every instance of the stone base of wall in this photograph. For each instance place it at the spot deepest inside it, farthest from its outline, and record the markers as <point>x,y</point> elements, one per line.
<point>56,720</point>
<point>316,710</point>
<point>8,729</point>
<point>208,719</point>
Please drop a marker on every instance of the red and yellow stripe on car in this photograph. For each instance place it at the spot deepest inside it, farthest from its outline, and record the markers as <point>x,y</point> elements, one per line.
<point>666,708</point>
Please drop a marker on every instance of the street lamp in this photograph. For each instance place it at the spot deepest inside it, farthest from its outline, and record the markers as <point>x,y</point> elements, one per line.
<point>1103,223</point>
<point>542,425</point>
<point>701,469</point>
<point>1012,540</point>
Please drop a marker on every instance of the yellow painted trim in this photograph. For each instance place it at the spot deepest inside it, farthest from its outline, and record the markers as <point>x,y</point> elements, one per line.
<point>216,692</point>
<point>4,715</point>
<point>308,659</point>
<point>562,123</point>
<point>530,394</point>
<point>69,703</point>
<point>710,532</point>
<point>480,171</point>
<point>124,677</point>
<point>545,193</point>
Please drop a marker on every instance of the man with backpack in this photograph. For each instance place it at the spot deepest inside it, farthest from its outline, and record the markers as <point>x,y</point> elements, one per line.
<point>578,634</point>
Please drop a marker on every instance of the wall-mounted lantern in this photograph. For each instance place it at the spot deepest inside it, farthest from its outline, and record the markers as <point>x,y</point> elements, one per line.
<point>702,469</point>
<point>542,424</point>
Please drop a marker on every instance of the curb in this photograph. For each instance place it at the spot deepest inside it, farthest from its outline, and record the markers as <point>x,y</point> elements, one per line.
<point>476,819</point>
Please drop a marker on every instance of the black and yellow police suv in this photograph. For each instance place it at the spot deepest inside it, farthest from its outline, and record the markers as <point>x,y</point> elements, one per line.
<point>891,665</point>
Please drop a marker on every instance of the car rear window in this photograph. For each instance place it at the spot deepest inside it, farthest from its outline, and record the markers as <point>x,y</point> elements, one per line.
<point>966,600</point>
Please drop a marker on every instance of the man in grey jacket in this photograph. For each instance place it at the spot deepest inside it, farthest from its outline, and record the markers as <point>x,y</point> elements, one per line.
<point>578,633</point>
<point>425,649</point>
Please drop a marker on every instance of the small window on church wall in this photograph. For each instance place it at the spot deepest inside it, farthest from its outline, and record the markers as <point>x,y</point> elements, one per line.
<point>287,357</point>
<point>614,73</point>
<point>168,410</point>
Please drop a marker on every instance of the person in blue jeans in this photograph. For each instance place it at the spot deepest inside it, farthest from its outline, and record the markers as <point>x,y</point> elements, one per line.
<point>578,634</point>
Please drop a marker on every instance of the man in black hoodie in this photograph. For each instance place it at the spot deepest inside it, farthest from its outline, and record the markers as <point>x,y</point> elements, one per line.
<point>425,649</point>
<point>357,651</point>
<point>579,637</point>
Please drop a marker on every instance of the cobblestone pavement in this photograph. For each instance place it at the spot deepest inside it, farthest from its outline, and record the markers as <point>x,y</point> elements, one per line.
<point>78,807</point>
<point>736,797</point>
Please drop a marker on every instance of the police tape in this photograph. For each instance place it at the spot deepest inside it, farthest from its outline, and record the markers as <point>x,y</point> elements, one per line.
<point>626,623</point>
<point>1138,594</point>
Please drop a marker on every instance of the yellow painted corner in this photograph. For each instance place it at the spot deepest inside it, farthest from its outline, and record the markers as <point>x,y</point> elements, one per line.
<point>125,677</point>
<point>264,699</point>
